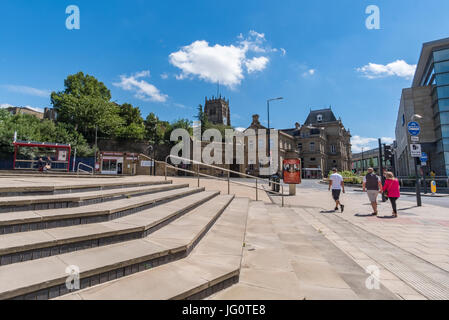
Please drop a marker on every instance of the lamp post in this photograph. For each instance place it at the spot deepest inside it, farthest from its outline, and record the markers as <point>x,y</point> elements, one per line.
<point>363,162</point>
<point>269,136</point>
<point>417,182</point>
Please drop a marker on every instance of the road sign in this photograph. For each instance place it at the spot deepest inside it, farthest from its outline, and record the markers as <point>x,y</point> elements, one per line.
<point>413,128</point>
<point>414,138</point>
<point>415,150</point>
<point>424,157</point>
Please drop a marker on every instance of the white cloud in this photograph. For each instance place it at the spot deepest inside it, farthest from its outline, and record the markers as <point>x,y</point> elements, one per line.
<point>256,64</point>
<point>143,90</point>
<point>359,142</point>
<point>27,90</point>
<point>398,68</point>
<point>309,73</point>
<point>164,76</point>
<point>283,52</point>
<point>240,129</point>
<point>5,105</point>
<point>222,63</point>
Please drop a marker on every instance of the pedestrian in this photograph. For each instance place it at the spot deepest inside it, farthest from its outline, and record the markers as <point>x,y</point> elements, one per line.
<point>40,164</point>
<point>336,183</point>
<point>372,184</point>
<point>392,189</point>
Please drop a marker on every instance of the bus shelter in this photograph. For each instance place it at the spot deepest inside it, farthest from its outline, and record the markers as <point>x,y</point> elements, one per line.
<point>28,153</point>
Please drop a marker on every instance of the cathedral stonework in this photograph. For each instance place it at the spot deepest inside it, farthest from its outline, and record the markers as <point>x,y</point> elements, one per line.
<point>217,110</point>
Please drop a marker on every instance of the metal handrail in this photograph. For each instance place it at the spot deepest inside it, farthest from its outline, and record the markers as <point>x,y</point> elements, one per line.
<point>228,179</point>
<point>81,170</point>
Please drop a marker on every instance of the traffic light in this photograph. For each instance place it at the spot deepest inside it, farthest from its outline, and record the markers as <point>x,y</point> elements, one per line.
<point>388,153</point>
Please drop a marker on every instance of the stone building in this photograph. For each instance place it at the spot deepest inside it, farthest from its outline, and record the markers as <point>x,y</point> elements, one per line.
<point>323,143</point>
<point>26,110</point>
<point>217,110</point>
<point>285,144</point>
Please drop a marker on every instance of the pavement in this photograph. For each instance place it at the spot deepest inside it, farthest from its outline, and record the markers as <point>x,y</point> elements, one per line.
<point>411,252</point>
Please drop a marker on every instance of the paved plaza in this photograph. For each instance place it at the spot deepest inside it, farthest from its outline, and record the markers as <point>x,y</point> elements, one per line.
<point>411,251</point>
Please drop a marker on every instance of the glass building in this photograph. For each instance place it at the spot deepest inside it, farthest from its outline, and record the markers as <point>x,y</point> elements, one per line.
<point>433,71</point>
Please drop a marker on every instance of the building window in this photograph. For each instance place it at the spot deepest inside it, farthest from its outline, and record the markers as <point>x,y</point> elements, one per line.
<point>312,159</point>
<point>403,120</point>
<point>319,118</point>
<point>299,147</point>
<point>312,146</point>
<point>333,148</point>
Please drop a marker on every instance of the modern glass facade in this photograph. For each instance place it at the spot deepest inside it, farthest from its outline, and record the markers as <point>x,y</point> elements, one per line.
<point>440,95</point>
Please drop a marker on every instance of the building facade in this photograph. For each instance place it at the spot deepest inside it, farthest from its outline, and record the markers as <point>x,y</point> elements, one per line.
<point>426,102</point>
<point>369,159</point>
<point>323,143</point>
<point>217,111</point>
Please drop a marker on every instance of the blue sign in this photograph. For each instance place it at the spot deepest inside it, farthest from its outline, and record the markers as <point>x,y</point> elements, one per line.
<point>424,157</point>
<point>413,128</point>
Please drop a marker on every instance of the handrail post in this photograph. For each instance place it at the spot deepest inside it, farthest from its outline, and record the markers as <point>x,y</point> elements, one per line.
<point>165,167</point>
<point>282,189</point>
<point>198,173</point>
<point>229,186</point>
<point>257,193</point>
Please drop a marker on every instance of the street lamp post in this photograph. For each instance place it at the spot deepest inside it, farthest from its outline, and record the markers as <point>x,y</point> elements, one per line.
<point>363,162</point>
<point>417,182</point>
<point>269,136</point>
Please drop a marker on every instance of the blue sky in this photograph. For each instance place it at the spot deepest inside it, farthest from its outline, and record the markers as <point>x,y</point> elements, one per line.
<point>166,56</point>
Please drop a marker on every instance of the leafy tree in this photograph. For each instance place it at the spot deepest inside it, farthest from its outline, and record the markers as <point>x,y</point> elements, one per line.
<point>134,127</point>
<point>85,103</point>
<point>30,128</point>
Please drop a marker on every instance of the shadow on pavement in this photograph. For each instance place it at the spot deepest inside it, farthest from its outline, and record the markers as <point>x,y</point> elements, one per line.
<point>327,211</point>
<point>363,215</point>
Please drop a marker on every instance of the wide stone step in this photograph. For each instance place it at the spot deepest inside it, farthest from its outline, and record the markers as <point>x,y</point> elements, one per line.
<point>50,189</point>
<point>213,265</point>
<point>19,247</point>
<point>24,221</point>
<point>27,203</point>
<point>46,278</point>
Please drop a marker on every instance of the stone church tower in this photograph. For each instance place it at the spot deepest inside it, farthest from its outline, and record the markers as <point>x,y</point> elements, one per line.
<point>217,111</point>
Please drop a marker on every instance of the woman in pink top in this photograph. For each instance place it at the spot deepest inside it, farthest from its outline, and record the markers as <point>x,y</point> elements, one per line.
<point>393,191</point>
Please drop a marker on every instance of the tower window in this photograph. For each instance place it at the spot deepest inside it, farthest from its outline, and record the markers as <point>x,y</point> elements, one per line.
<point>319,118</point>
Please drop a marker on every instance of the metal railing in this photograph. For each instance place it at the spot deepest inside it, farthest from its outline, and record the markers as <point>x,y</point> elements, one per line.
<point>228,179</point>
<point>85,165</point>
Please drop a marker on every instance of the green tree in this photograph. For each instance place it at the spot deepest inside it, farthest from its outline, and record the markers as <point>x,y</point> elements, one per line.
<point>30,128</point>
<point>134,127</point>
<point>85,104</point>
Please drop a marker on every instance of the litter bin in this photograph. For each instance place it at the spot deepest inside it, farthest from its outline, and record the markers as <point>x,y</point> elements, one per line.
<point>275,186</point>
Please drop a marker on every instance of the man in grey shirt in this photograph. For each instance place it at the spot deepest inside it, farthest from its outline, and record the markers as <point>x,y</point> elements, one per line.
<point>372,184</point>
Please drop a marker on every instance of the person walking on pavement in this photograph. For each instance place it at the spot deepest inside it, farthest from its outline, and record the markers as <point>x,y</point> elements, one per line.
<point>392,189</point>
<point>336,183</point>
<point>372,184</point>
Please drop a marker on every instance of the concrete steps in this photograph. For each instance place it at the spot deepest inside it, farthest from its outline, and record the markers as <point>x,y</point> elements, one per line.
<point>212,266</point>
<point>49,189</point>
<point>19,247</point>
<point>42,202</point>
<point>45,277</point>
<point>23,221</point>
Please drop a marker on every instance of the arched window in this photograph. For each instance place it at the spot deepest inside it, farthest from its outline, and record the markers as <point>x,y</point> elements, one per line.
<point>319,118</point>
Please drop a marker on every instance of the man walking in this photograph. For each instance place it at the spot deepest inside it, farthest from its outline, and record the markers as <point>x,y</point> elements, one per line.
<point>336,183</point>
<point>372,184</point>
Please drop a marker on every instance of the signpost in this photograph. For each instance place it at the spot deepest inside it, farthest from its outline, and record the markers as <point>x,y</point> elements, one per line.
<point>415,150</point>
<point>413,128</point>
<point>424,159</point>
